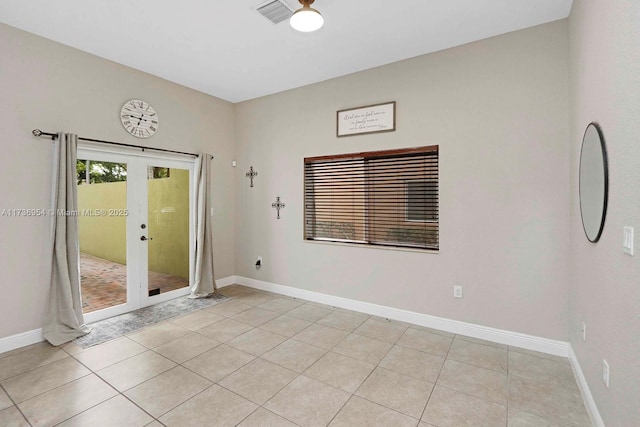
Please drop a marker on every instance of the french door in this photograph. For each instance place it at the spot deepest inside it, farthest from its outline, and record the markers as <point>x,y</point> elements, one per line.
<point>135,226</point>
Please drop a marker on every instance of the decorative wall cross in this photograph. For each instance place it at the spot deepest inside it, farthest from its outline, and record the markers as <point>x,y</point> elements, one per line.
<point>278,205</point>
<point>251,174</point>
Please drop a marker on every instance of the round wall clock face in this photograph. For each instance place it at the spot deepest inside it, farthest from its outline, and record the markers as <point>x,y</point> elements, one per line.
<point>139,118</point>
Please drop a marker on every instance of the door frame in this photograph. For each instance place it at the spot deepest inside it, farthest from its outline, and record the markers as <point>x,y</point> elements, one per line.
<point>137,205</point>
<point>166,161</point>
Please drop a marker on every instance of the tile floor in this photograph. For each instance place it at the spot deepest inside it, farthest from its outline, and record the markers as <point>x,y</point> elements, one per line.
<point>265,360</point>
<point>104,283</point>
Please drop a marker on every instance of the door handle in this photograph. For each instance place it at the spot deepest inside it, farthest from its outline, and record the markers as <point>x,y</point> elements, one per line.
<point>143,238</point>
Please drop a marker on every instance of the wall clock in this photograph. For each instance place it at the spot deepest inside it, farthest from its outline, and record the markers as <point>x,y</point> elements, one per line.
<point>139,118</point>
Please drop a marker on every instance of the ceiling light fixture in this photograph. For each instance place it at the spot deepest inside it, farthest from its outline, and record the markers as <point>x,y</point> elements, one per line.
<point>306,19</point>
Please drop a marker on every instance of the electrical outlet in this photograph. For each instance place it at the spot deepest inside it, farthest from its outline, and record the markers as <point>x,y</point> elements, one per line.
<point>605,372</point>
<point>584,331</point>
<point>457,291</point>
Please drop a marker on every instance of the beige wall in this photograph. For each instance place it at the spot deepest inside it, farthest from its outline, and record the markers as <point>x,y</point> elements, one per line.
<point>499,111</point>
<point>510,228</point>
<point>605,291</point>
<point>50,86</point>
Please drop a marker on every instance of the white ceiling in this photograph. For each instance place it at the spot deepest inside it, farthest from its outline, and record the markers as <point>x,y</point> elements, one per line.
<point>226,49</point>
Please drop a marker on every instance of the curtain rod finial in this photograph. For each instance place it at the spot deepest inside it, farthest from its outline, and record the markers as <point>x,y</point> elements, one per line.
<point>36,132</point>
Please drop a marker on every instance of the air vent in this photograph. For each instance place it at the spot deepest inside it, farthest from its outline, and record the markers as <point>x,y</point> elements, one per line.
<point>275,11</point>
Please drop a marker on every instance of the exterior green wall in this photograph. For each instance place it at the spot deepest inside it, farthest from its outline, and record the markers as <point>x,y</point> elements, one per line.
<point>168,222</point>
<point>103,236</point>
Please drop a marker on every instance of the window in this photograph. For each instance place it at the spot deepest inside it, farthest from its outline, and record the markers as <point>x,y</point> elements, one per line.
<point>381,198</point>
<point>157,172</point>
<point>419,194</point>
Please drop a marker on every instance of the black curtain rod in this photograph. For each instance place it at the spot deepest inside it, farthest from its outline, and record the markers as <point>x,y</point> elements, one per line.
<point>38,132</point>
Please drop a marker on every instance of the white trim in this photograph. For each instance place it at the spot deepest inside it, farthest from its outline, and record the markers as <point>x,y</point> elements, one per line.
<point>226,281</point>
<point>137,204</point>
<point>558,348</point>
<point>20,340</point>
<point>33,337</point>
<point>150,152</point>
<point>530,342</point>
<point>141,195</point>
<point>167,296</point>
<point>544,345</point>
<point>106,313</point>
<point>587,397</point>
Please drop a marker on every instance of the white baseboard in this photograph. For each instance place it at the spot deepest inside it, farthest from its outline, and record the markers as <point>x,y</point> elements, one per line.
<point>226,281</point>
<point>20,340</point>
<point>587,397</point>
<point>530,342</point>
<point>544,345</point>
<point>35,336</point>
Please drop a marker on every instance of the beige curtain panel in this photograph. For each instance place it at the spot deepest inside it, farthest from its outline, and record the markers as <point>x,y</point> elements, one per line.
<point>63,318</point>
<point>204,284</point>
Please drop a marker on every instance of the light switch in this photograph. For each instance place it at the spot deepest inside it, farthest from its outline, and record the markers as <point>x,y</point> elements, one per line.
<point>628,240</point>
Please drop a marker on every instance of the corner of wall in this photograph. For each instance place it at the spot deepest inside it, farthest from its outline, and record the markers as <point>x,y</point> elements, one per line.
<point>587,397</point>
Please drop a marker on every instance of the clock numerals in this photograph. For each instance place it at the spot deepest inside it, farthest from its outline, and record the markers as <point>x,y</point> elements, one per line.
<point>139,118</point>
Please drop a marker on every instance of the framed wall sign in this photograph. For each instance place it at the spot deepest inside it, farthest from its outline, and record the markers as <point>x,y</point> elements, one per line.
<point>367,119</point>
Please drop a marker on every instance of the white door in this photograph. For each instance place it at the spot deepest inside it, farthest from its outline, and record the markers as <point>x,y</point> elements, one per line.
<point>136,231</point>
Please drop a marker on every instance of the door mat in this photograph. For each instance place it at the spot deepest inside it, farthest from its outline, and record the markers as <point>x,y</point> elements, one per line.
<point>115,327</point>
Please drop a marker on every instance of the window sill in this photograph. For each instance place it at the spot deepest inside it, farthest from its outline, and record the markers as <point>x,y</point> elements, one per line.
<point>364,246</point>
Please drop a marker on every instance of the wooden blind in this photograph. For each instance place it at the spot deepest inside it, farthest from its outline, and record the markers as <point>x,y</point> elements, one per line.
<point>386,198</point>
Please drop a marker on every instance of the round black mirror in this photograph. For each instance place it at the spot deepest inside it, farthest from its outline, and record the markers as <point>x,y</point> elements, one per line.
<point>594,182</point>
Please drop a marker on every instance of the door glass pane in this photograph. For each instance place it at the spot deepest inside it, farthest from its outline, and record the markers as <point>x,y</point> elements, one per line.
<point>168,222</point>
<point>102,215</point>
